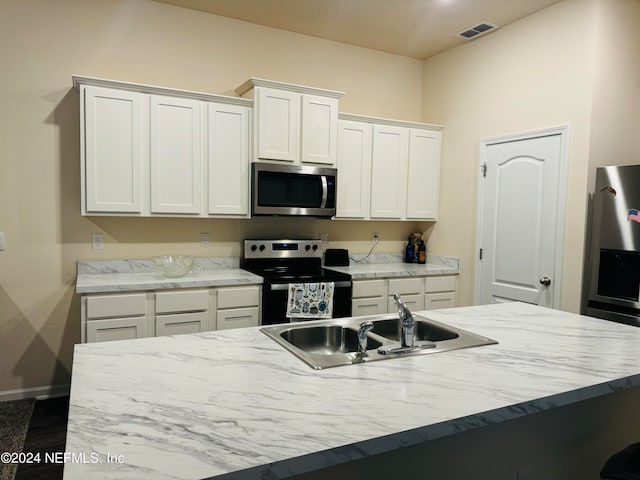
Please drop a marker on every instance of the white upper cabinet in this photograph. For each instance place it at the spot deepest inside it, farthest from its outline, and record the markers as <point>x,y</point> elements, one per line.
<point>228,159</point>
<point>277,124</point>
<point>176,155</point>
<point>293,123</point>
<point>154,151</point>
<point>423,174</point>
<point>319,130</point>
<point>387,169</point>
<point>389,163</point>
<point>354,169</point>
<point>113,150</point>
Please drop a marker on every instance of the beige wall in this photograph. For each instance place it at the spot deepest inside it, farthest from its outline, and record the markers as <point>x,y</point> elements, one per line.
<point>615,127</point>
<point>45,42</point>
<point>533,74</point>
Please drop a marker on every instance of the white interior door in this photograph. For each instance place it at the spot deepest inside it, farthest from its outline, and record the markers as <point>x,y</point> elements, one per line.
<point>521,219</point>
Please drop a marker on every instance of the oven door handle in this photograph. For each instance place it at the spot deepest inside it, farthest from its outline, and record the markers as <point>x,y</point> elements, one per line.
<point>284,286</point>
<point>325,191</point>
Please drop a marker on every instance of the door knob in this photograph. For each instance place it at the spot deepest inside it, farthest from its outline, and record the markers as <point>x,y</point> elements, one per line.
<point>546,281</point>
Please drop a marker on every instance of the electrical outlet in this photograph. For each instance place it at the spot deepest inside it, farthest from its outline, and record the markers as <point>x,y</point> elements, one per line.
<point>97,241</point>
<point>204,239</point>
<point>375,238</point>
<point>324,238</point>
<point>1,241</point>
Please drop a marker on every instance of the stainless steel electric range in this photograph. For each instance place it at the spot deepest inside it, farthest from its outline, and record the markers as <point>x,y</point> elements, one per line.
<point>285,262</point>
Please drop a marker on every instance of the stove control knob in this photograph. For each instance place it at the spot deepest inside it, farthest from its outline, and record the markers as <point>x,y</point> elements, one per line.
<point>262,247</point>
<point>315,247</point>
<point>254,248</point>
<point>307,247</point>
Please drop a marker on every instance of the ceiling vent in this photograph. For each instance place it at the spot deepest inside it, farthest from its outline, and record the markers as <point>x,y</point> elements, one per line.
<point>477,30</point>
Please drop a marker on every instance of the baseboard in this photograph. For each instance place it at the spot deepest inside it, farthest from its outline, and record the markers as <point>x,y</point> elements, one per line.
<point>39,393</point>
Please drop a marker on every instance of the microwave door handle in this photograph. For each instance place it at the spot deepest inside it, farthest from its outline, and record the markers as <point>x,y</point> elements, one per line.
<point>325,191</point>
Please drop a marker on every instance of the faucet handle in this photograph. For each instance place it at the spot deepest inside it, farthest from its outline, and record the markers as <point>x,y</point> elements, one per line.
<point>362,337</point>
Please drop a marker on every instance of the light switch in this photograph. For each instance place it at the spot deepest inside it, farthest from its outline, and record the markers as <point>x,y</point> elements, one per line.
<point>204,239</point>
<point>1,241</point>
<point>97,241</point>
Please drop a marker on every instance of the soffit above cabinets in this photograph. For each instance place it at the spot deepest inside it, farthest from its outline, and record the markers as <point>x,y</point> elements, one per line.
<point>413,28</point>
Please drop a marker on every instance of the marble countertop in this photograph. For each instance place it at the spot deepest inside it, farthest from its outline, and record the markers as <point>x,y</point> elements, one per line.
<point>205,405</point>
<point>108,276</point>
<point>391,265</point>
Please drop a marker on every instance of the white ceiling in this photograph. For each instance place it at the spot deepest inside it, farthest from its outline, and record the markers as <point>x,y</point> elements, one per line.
<point>414,28</point>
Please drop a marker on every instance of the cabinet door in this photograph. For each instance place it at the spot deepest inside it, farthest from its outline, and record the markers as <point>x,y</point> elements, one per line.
<point>237,318</point>
<point>439,300</point>
<point>319,130</point>
<point>354,169</point>
<point>181,323</point>
<point>278,124</point>
<point>228,157</point>
<point>176,151</point>
<point>423,174</point>
<point>114,150</point>
<point>389,171</point>
<point>413,302</point>
<point>368,306</point>
<point>116,329</point>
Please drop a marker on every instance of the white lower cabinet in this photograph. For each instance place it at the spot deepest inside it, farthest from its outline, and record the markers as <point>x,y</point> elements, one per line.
<point>369,297</point>
<point>440,292</point>
<point>238,307</point>
<point>375,297</point>
<point>181,312</point>
<point>410,289</point>
<point>180,323</point>
<point>126,328</point>
<point>127,316</point>
<point>115,317</point>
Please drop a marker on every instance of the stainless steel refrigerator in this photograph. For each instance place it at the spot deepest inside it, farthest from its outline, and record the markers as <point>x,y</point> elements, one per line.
<point>614,261</point>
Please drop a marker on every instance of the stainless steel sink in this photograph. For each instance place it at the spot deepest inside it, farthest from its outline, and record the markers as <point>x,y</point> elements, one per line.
<point>331,343</point>
<point>325,339</point>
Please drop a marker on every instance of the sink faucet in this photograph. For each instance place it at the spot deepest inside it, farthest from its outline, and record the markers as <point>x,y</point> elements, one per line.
<point>406,321</point>
<point>362,337</point>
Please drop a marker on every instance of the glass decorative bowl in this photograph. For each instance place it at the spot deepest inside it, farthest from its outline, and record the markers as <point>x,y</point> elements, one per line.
<point>176,265</point>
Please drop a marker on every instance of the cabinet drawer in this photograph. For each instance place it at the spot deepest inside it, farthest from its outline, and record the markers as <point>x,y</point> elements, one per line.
<point>237,318</point>
<point>238,297</point>
<point>116,305</point>
<point>413,302</point>
<point>433,301</point>
<point>181,323</point>
<point>445,283</point>
<point>369,288</point>
<point>406,286</point>
<point>182,301</point>
<point>116,329</point>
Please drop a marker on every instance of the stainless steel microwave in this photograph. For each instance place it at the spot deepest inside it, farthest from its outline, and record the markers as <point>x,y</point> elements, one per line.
<point>293,190</point>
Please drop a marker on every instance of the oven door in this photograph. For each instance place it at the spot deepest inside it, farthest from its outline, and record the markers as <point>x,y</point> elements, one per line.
<point>293,190</point>
<point>275,296</point>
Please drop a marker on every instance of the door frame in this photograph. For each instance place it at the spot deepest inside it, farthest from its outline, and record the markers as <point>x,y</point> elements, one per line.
<point>563,131</point>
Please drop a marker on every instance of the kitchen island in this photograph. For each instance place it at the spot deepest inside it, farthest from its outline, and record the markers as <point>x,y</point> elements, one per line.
<point>235,404</point>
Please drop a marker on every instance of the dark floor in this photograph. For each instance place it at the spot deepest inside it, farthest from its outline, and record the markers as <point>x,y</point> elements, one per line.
<point>47,434</point>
